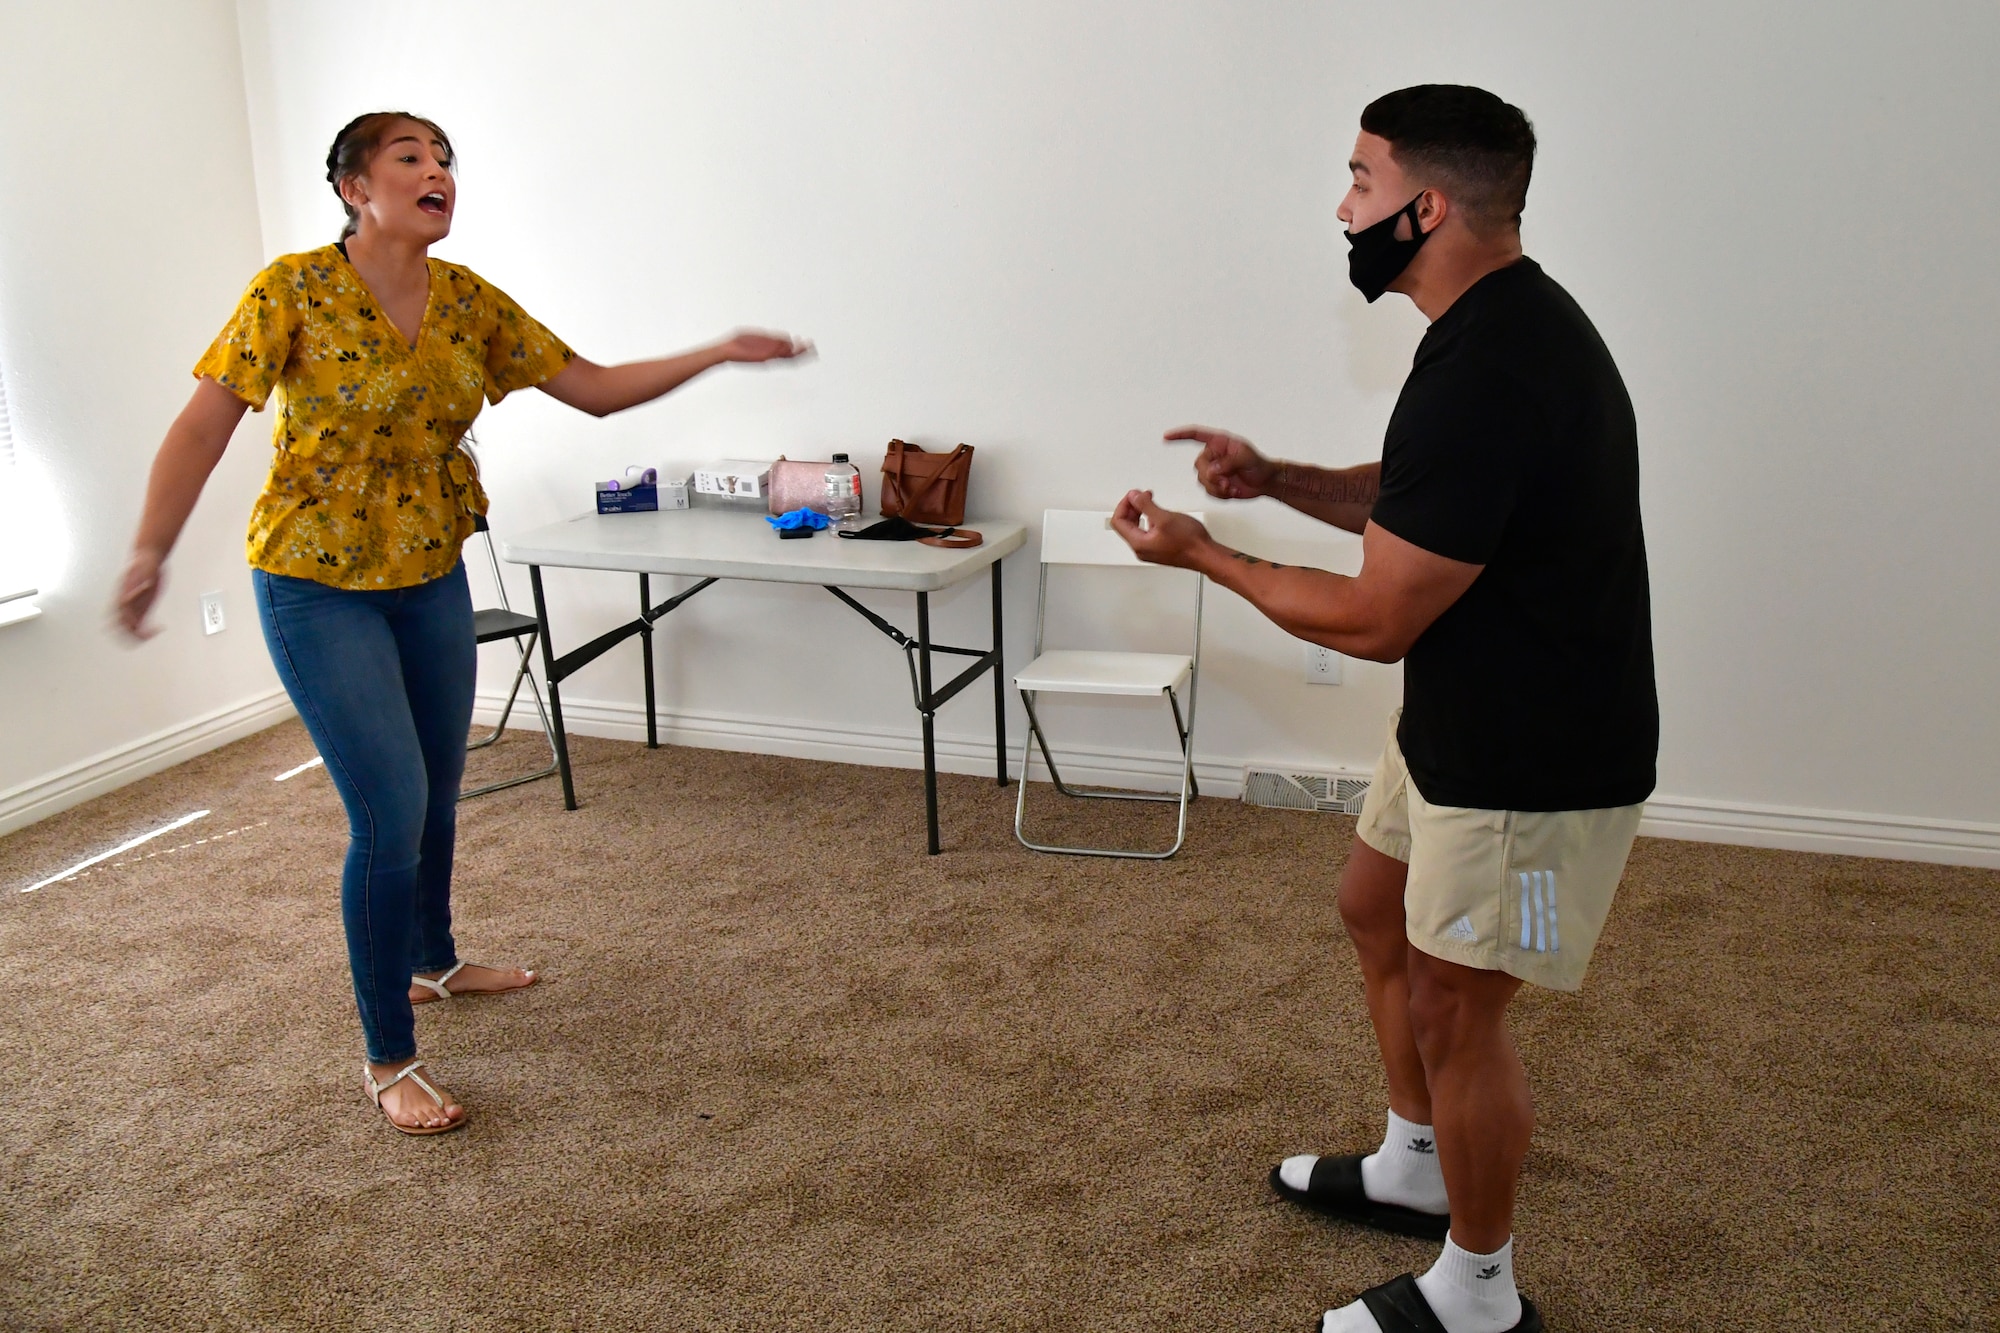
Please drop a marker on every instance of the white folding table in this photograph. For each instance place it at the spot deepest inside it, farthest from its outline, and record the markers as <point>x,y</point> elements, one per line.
<point>729,543</point>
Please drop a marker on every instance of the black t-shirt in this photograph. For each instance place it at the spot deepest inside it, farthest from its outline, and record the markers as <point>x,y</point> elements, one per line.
<point>1514,446</point>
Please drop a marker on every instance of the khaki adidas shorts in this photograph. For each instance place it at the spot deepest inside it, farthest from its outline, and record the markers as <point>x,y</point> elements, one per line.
<point>1520,892</point>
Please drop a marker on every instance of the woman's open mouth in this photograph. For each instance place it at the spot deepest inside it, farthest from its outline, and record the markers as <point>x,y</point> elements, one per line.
<point>432,203</point>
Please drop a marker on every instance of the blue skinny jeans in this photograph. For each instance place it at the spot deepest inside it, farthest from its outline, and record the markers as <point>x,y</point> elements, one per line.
<point>383,682</point>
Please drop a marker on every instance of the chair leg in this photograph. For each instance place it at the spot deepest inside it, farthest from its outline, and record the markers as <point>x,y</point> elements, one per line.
<point>1079,793</point>
<point>508,710</point>
<point>548,728</point>
<point>1188,788</point>
<point>1037,739</point>
<point>1186,734</point>
<point>1021,792</point>
<point>548,731</point>
<point>1042,743</point>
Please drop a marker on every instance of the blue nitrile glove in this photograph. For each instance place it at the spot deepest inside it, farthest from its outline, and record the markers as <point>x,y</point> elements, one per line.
<point>798,518</point>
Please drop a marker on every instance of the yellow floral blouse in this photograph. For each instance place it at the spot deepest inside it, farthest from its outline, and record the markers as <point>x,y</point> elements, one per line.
<point>369,489</point>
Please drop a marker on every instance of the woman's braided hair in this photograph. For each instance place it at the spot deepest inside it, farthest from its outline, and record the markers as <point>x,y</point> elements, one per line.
<point>356,144</point>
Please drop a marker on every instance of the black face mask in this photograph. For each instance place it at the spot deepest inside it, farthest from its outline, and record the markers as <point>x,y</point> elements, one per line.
<point>1375,257</point>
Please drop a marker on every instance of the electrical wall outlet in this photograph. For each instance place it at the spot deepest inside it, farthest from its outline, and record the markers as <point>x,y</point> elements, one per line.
<point>211,613</point>
<point>1322,665</point>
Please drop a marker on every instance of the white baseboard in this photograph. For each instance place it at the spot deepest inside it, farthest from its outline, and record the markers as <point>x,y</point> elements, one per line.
<point>813,740</point>
<point>1840,832</point>
<point>36,800</point>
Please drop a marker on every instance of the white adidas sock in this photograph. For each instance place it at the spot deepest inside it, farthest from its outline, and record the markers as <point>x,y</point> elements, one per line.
<point>1405,1169</point>
<point>1473,1293</point>
<point>1469,1293</point>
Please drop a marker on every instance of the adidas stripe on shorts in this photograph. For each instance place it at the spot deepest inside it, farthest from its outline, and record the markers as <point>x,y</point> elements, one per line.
<point>1514,891</point>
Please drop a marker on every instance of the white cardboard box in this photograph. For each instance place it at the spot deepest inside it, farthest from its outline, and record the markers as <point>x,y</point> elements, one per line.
<point>734,476</point>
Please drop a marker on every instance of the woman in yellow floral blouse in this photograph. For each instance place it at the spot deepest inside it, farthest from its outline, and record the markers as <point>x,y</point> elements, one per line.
<point>382,357</point>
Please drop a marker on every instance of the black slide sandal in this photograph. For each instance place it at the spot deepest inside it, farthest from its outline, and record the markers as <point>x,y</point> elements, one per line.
<point>1335,1189</point>
<point>1399,1307</point>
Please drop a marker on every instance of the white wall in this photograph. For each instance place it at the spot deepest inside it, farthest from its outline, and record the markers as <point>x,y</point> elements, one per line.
<point>1053,230</point>
<point>128,227</point>
<point>1002,229</point>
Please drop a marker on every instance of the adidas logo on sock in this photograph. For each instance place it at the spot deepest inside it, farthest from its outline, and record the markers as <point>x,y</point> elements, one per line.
<point>1462,929</point>
<point>1492,1272</point>
<point>1422,1145</point>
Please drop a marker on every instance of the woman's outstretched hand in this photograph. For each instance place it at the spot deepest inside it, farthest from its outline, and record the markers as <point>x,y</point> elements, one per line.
<point>138,586</point>
<point>602,390</point>
<point>756,345</point>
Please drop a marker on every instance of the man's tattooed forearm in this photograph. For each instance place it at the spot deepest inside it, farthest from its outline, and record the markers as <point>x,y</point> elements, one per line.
<point>1253,560</point>
<point>1355,487</point>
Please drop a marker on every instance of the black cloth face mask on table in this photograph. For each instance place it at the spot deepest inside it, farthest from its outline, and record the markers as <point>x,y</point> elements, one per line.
<point>1375,257</point>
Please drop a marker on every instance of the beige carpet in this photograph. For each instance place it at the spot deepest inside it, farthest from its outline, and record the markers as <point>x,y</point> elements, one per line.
<point>787,1073</point>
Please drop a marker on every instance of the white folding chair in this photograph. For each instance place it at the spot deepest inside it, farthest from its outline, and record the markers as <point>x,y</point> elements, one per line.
<point>490,625</point>
<point>1081,537</point>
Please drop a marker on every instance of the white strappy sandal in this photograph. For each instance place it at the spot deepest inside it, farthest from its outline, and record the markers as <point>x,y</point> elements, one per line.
<point>443,992</point>
<point>408,1071</point>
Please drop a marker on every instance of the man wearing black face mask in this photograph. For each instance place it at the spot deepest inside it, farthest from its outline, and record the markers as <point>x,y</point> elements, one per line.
<point>1504,563</point>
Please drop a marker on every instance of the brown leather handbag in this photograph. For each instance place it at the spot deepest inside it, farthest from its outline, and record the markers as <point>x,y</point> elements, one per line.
<point>925,487</point>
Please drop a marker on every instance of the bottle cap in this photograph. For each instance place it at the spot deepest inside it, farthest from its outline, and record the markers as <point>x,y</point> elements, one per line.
<point>840,458</point>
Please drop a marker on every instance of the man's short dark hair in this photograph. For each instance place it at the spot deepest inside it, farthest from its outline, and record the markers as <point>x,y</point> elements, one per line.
<point>1481,148</point>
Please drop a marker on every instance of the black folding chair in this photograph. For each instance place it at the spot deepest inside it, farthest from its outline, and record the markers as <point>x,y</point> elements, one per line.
<point>490,626</point>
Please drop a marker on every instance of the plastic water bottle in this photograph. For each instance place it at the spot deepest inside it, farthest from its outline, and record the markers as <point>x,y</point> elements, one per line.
<point>843,493</point>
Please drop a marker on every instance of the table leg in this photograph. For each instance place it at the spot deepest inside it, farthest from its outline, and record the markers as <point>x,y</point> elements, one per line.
<point>646,653</point>
<point>929,712</point>
<point>999,685</point>
<point>555,688</point>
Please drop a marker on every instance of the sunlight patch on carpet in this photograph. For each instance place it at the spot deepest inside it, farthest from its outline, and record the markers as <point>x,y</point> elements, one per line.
<point>82,868</point>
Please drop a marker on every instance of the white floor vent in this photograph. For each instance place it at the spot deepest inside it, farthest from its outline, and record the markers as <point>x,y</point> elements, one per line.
<point>1304,791</point>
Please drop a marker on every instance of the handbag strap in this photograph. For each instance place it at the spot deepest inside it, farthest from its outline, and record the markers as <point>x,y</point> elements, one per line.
<point>953,539</point>
<point>895,474</point>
